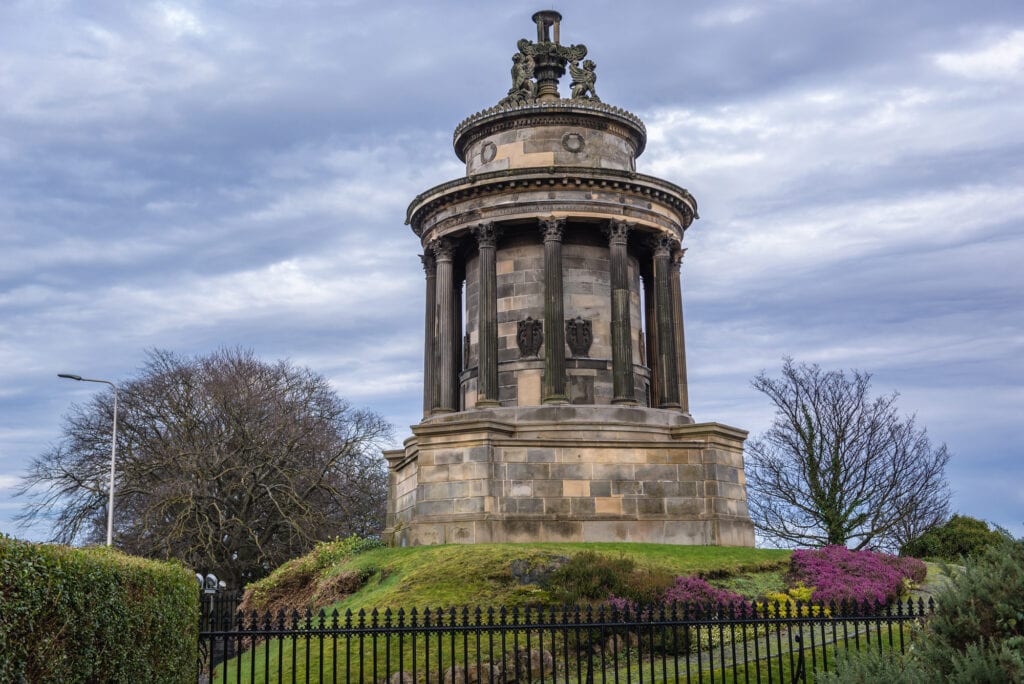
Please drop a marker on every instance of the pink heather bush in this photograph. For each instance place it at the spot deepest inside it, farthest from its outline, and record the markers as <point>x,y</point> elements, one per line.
<point>687,590</point>
<point>839,574</point>
<point>696,590</point>
<point>909,567</point>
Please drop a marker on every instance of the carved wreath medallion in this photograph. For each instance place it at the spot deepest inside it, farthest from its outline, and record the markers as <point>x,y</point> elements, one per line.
<point>488,152</point>
<point>573,142</point>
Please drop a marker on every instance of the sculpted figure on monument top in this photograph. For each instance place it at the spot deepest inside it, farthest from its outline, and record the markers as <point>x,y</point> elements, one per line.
<point>537,67</point>
<point>583,80</point>
<point>523,90</point>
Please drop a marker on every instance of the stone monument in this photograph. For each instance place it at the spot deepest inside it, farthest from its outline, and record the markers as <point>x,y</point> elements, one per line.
<point>555,397</point>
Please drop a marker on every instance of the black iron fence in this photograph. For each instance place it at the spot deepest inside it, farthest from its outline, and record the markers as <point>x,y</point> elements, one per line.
<point>219,608</point>
<point>750,642</point>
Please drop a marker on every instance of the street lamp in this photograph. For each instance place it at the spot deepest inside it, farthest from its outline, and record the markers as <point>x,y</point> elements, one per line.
<point>113,453</point>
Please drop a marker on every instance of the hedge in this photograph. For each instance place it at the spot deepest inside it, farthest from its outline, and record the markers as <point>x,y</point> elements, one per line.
<point>94,615</point>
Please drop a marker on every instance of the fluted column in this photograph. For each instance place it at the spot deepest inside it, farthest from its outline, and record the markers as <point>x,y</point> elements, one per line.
<point>651,330</point>
<point>486,235</point>
<point>444,369</point>
<point>457,337</point>
<point>554,312</point>
<point>680,337</point>
<point>668,379</point>
<point>430,318</point>
<point>623,386</point>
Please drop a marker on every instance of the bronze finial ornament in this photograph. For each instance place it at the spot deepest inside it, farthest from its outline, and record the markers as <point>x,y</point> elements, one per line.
<point>545,20</point>
<point>537,67</point>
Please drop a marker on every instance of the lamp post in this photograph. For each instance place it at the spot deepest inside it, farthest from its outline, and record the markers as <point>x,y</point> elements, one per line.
<point>113,453</point>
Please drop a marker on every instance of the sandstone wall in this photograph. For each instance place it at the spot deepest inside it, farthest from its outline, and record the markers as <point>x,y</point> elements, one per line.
<point>566,473</point>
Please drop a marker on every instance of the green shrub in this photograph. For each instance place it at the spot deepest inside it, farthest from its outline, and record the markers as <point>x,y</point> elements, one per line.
<point>960,536</point>
<point>94,615</point>
<point>795,601</point>
<point>976,634</point>
<point>648,586</point>
<point>589,577</point>
<point>333,552</point>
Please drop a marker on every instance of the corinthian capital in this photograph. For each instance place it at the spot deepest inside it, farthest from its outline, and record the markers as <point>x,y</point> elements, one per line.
<point>617,232</point>
<point>486,234</point>
<point>663,245</point>
<point>427,259</point>
<point>442,248</point>
<point>552,228</point>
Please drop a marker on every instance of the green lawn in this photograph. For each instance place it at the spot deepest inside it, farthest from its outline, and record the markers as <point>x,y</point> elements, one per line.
<point>735,657</point>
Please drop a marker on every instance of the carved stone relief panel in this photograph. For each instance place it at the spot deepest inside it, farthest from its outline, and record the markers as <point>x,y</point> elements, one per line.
<point>530,336</point>
<point>579,335</point>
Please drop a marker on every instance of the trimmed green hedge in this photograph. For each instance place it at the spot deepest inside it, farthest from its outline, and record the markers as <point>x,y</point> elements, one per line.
<point>94,615</point>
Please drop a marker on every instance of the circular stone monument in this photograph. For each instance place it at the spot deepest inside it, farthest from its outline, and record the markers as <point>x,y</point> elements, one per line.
<point>555,398</point>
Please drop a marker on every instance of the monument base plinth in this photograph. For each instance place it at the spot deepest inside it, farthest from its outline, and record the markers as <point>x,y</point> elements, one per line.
<point>568,473</point>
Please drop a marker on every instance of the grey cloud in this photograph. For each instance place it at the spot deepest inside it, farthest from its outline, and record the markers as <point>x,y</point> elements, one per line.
<point>189,176</point>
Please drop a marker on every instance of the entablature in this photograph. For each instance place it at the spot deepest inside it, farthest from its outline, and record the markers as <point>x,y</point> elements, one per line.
<point>561,191</point>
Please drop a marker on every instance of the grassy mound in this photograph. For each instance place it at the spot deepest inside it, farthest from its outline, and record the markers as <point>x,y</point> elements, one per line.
<point>348,575</point>
<point>357,575</point>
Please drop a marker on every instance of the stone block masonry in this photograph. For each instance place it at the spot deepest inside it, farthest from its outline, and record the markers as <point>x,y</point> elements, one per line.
<point>569,473</point>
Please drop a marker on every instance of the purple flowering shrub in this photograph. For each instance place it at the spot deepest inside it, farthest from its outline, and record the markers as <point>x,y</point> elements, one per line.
<point>696,590</point>
<point>686,590</point>
<point>911,568</point>
<point>830,574</point>
<point>839,574</point>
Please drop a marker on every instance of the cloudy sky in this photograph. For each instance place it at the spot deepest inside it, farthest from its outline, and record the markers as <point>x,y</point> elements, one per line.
<point>189,176</point>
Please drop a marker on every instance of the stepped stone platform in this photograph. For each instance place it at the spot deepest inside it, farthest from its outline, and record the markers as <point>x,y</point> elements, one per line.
<point>569,473</point>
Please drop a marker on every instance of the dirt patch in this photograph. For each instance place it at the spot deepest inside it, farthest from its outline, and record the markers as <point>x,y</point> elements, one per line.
<point>336,587</point>
<point>300,590</point>
<point>291,592</point>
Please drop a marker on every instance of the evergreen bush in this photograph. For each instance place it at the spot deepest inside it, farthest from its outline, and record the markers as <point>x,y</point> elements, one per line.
<point>94,615</point>
<point>961,536</point>
<point>693,591</point>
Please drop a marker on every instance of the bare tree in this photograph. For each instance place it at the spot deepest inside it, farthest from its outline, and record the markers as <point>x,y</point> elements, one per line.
<point>226,462</point>
<point>840,467</point>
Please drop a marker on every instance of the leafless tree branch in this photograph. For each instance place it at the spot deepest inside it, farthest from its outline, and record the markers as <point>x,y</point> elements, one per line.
<point>226,462</point>
<point>840,467</point>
